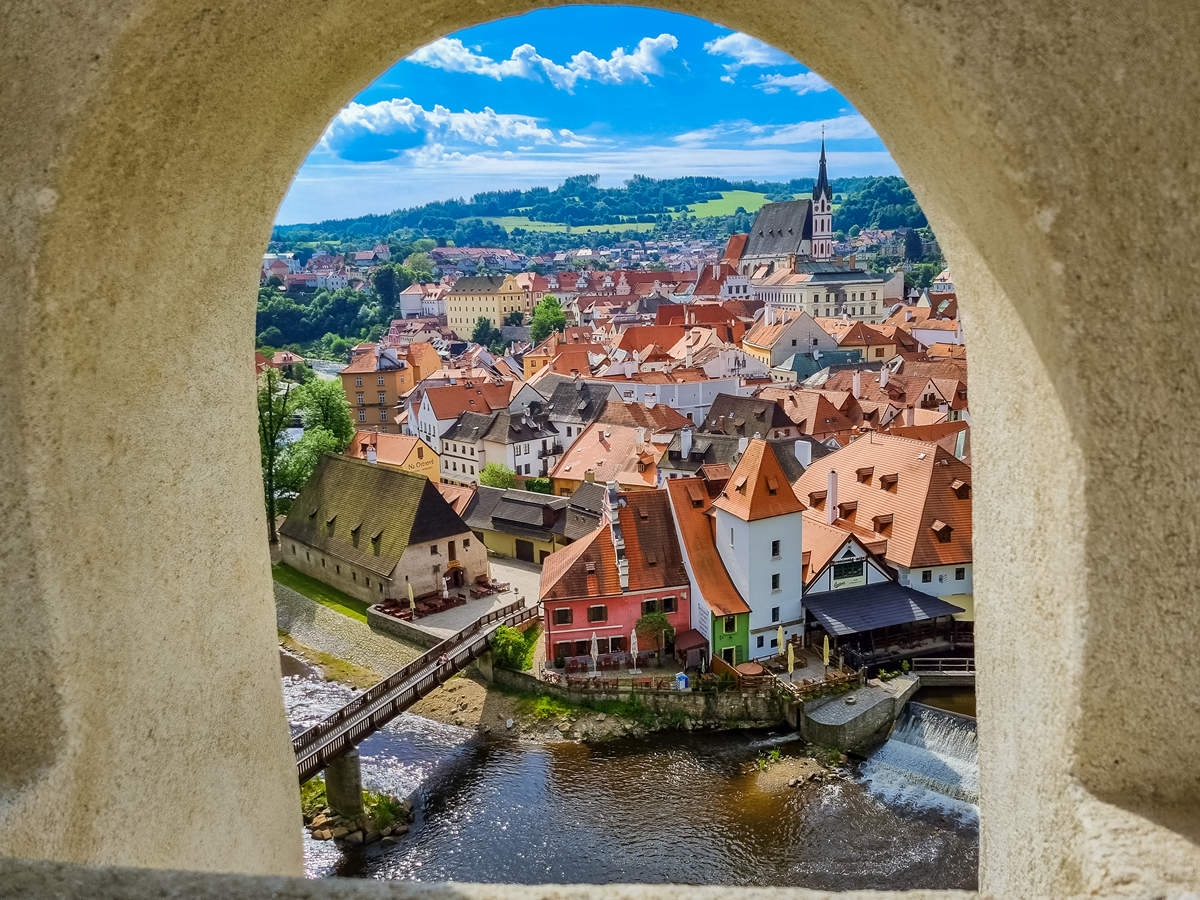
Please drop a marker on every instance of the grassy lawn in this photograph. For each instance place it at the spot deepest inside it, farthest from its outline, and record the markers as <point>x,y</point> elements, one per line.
<point>320,592</point>
<point>511,222</point>
<point>728,204</point>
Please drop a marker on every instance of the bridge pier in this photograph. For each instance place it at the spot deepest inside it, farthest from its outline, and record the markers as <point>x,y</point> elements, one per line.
<point>343,785</point>
<point>486,666</point>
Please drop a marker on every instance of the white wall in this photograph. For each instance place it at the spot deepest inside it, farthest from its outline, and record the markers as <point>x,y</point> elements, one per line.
<point>943,583</point>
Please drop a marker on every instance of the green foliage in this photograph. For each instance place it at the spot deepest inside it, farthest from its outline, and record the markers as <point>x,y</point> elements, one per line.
<point>905,665</point>
<point>420,264</point>
<point>656,625</point>
<point>312,796</point>
<point>270,337</point>
<point>766,759</point>
<point>913,249</point>
<point>497,475</point>
<point>298,460</point>
<point>276,404</point>
<point>921,276</point>
<point>485,334</point>
<point>384,810</point>
<point>548,317</point>
<point>322,404</point>
<point>389,280</point>
<point>513,649</point>
<point>516,317</point>
<point>301,318</point>
<point>539,485</point>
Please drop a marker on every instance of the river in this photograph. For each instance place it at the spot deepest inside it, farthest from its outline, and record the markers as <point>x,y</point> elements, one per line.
<point>680,808</point>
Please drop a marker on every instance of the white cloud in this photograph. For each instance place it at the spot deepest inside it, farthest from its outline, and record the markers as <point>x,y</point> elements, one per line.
<point>621,67</point>
<point>402,116</point>
<point>745,50</point>
<point>743,131</point>
<point>803,83</point>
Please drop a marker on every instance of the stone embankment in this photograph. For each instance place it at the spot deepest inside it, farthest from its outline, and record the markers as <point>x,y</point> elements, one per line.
<point>327,825</point>
<point>313,625</point>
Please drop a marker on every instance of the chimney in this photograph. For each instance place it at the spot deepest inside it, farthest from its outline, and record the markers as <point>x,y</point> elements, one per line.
<point>883,377</point>
<point>590,475</point>
<point>630,368</point>
<point>831,497</point>
<point>685,443</point>
<point>743,443</point>
<point>651,400</point>
<point>641,436</point>
<point>687,355</point>
<point>910,415</point>
<point>856,388</point>
<point>372,456</point>
<point>803,451</point>
<point>791,263</point>
<point>908,315</point>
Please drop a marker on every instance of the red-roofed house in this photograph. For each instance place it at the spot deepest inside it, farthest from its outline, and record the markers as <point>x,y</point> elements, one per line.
<point>603,583</point>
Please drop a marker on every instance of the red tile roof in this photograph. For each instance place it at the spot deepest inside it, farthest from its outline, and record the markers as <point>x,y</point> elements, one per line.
<point>690,503</point>
<point>758,488</point>
<point>452,400</point>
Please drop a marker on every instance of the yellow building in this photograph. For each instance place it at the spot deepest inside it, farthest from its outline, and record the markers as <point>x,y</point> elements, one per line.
<point>488,296</point>
<point>374,382</point>
<point>400,451</point>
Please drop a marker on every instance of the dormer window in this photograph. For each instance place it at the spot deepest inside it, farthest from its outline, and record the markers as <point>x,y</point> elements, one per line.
<point>589,567</point>
<point>882,524</point>
<point>889,482</point>
<point>772,486</point>
<point>864,474</point>
<point>844,509</point>
<point>816,498</point>
<point>961,489</point>
<point>942,530</point>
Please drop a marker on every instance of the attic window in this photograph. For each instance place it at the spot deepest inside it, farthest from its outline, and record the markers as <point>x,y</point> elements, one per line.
<point>816,498</point>
<point>330,520</point>
<point>942,530</point>
<point>889,482</point>
<point>651,558</point>
<point>772,486</point>
<point>590,567</point>
<point>739,483</point>
<point>312,512</point>
<point>643,515</point>
<point>864,474</point>
<point>961,489</point>
<point>880,523</point>
<point>849,506</point>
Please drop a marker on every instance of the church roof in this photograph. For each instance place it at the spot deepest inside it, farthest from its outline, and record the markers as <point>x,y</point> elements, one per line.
<point>822,185</point>
<point>779,229</point>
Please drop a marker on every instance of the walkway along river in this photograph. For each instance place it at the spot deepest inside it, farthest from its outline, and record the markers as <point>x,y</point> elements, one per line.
<point>675,807</point>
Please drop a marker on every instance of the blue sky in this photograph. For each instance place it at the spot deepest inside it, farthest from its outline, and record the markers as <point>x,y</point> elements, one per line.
<point>614,91</point>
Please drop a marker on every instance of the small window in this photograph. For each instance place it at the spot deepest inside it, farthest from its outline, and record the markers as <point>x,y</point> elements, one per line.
<point>307,558</point>
<point>729,624</point>
<point>760,640</point>
<point>775,549</point>
<point>433,550</point>
<point>358,381</point>
<point>380,382</point>
<point>466,543</point>
<point>353,575</point>
<point>338,569</point>
<point>774,613</point>
<point>368,582</point>
<point>774,643</point>
<point>927,576</point>
<point>649,606</point>
<point>563,616</point>
<point>960,573</point>
<point>597,613</point>
<point>775,581</point>
<point>668,604</point>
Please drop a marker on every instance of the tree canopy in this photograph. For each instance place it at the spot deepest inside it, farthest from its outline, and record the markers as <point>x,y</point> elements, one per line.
<point>548,317</point>
<point>323,405</point>
<point>276,403</point>
<point>497,475</point>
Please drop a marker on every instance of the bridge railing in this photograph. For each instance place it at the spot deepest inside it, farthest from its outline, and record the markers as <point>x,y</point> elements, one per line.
<point>401,675</point>
<point>945,665</point>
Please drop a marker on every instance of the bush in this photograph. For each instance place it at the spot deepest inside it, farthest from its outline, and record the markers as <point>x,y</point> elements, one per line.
<point>513,649</point>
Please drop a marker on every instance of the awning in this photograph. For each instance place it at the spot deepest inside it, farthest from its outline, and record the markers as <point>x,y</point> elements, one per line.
<point>861,609</point>
<point>690,640</point>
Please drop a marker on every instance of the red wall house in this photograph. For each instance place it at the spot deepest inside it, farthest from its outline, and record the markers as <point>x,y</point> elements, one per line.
<point>585,588</point>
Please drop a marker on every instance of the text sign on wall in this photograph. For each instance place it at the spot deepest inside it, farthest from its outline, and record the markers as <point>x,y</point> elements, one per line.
<point>849,574</point>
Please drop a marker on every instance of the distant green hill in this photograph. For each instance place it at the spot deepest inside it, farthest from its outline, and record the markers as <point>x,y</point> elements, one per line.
<point>578,212</point>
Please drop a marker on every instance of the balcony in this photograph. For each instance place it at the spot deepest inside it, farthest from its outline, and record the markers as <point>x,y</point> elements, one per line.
<point>554,449</point>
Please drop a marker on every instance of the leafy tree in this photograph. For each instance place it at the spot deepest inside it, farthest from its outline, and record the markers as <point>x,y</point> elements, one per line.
<point>548,316</point>
<point>508,648</point>
<point>497,475</point>
<point>913,249</point>
<point>421,265</point>
<point>854,231</point>
<point>485,334</point>
<point>921,276</point>
<point>539,485</point>
<point>656,625</point>
<point>297,461</point>
<point>275,407</point>
<point>516,317</point>
<point>274,281</point>
<point>270,337</point>
<point>322,405</point>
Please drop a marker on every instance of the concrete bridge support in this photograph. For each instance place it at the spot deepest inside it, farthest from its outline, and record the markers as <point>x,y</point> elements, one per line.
<point>343,785</point>
<point>486,667</point>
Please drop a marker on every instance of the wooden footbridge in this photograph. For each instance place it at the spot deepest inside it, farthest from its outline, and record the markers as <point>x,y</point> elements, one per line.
<point>343,730</point>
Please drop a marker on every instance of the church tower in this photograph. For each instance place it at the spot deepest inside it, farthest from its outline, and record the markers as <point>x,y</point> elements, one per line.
<point>822,205</point>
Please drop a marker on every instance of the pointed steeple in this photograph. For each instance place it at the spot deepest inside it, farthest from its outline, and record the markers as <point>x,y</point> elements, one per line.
<point>822,185</point>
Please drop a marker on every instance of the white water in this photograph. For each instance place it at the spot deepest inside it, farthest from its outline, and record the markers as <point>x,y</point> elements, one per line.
<point>929,762</point>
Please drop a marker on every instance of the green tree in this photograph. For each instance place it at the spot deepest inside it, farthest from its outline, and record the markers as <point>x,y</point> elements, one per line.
<point>508,648</point>
<point>913,249</point>
<point>854,231</point>
<point>539,485</point>
<point>297,461</point>
<point>270,337</point>
<point>421,266</point>
<point>497,475</point>
<point>322,405</point>
<point>656,625</point>
<point>275,407</point>
<point>516,317</point>
<point>548,316</point>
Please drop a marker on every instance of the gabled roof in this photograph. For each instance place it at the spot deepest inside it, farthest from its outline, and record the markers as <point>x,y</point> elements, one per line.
<point>779,229</point>
<point>452,400</point>
<point>367,515</point>
<point>639,337</point>
<point>655,419</point>
<point>611,453</point>
<point>745,416</point>
<point>478,284</point>
<point>390,449</point>
<point>758,488</point>
<point>911,481</point>
<point>579,400</point>
<point>690,503</point>
<point>457,495</point>
<point>768,334</point>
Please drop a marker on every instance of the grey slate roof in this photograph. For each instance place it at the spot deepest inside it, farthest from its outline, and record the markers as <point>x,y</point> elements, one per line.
<point>534,515</point>
<point>478,284</point>
<point>779,229</point>
<point>855,610</point>
<point>502,426</point>
<point>575,400</point>
<point>710,449</point>
<point>745,416</point>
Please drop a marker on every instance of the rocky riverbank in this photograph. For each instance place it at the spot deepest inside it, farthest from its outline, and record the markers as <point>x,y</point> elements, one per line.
<point>385,818</point>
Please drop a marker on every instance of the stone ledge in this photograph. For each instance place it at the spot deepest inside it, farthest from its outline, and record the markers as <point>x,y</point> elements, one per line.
<point>43,878</point>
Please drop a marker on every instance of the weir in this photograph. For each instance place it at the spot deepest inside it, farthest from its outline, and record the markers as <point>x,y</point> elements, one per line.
<point>929,761</point>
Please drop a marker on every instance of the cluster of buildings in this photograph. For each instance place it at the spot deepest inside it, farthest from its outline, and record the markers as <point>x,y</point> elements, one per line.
<point>779,445</point>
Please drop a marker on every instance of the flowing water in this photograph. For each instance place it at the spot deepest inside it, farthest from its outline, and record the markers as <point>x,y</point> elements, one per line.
<point>929,762</point>
<point>682,808</point>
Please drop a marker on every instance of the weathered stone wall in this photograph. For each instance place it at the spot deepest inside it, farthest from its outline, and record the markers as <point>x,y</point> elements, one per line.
<point>146,146</point>
<point>401,629</point>
<point>729,707</point>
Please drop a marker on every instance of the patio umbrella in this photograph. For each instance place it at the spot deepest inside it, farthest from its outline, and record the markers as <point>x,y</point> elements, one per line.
<point>595,651</point>
<point>780,639</point>
<point>633,669</point>
<point>412,601</point>
<point>791,659</point>
<point>825,650</point>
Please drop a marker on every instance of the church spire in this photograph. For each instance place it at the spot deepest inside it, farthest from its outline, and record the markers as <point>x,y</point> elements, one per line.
<point>822,185</point>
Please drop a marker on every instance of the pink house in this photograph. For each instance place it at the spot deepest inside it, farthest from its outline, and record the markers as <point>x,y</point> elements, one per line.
<point>604,582</point>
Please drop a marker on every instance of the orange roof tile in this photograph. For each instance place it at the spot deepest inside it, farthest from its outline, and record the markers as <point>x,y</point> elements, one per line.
<point>690,502</point>
<point>758,489</point>
<point>612,453</point>
<point>390,449</point>
<point>452,400</point>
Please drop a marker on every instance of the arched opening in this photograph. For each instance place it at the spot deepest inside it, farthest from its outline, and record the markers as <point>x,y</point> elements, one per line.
<point>134,140</point>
